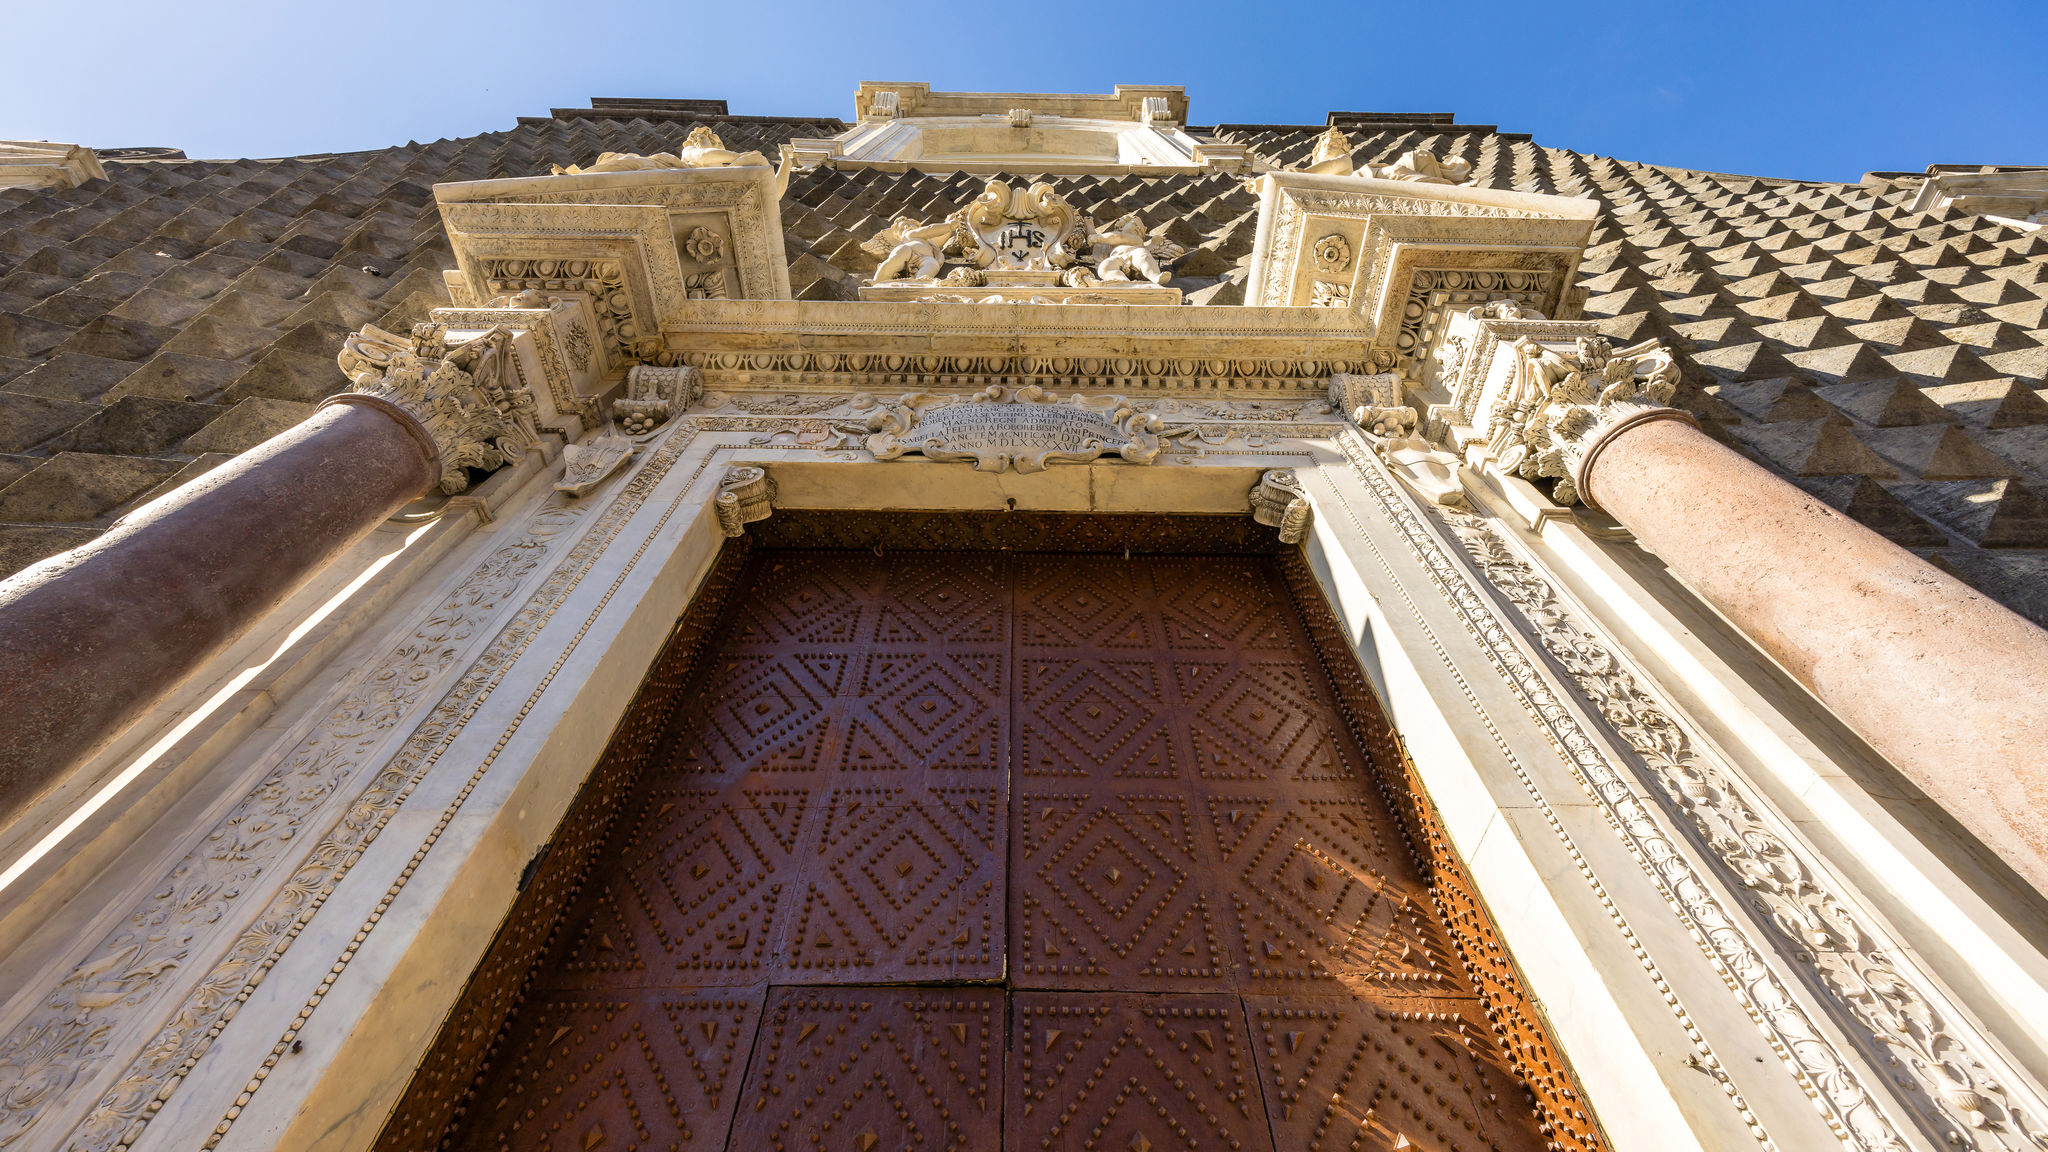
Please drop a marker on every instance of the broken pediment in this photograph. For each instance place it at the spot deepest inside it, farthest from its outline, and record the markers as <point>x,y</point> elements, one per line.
<point>46,164</point>
<point>1401,249</point>
<point>637,236</point>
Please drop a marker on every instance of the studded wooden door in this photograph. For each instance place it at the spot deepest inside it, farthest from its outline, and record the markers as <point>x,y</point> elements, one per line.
<point>980,850</point>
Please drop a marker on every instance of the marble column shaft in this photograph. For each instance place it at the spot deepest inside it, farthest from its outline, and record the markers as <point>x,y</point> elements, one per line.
<point>92,638</point>
<point>1948,684</point>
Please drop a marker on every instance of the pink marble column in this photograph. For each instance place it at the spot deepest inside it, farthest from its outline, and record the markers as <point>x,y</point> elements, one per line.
<point>92,638</point>
<point>1948,684</point>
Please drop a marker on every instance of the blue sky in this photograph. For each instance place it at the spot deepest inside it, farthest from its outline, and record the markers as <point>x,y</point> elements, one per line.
<point>1816,90</point>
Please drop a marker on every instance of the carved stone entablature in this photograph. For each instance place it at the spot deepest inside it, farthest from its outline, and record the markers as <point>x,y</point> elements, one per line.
<point>638,237</point>
<point>461,395</point>
<point>746,494</point>
<point>653,395</point>
<point>1011,428</point>
<point>1028,241</point>
<point>1399,250</point>
<point>883,373</point>
<point>1553,407</point>
<point>1277,501</point>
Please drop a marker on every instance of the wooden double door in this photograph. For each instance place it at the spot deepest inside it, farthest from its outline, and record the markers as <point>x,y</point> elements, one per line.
<point>981,850</point>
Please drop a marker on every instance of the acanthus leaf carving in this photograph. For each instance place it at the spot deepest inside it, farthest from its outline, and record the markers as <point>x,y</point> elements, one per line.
<point>1559,406</point>
<point>1901,1023</point>
<point>462,396</point>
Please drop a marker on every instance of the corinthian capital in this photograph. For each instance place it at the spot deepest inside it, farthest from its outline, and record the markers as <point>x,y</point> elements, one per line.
<point>461,396</point>
<point>1561,406</point>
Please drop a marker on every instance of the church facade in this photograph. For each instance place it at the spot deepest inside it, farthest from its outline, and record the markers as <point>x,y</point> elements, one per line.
<point>1016,620</point>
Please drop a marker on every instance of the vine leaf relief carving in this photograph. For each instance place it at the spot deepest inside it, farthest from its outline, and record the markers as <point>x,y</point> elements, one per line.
<point>1970,1100</point>
<point>1852,1110</point>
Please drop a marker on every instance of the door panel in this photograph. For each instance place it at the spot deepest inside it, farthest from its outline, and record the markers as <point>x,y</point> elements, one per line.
<point>1019,850</point>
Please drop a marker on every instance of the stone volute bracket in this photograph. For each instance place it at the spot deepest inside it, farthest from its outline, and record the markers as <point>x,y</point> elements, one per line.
<point>746,494</point>
<point>1278,501</point>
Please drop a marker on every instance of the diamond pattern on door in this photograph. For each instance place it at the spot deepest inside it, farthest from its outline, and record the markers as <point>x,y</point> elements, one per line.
<point>846,1069</point>
<point>618,1070</point>
<point>906,886</point>
<point>689,893</point>
<point>1093,1071</point>
<point>975,851</point>
<point>1115,897</point>
<point>1349,1074</point>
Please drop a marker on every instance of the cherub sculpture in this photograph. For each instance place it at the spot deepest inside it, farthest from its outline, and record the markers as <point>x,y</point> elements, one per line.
<point>701,149</point>
<point>1420,167</point>
<point>1125,248</point>
<point>1332,156</point>
<point>910,250</point>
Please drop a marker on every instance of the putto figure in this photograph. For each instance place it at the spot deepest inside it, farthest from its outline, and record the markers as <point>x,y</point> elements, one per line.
<point>910,250</point>
<point>1125,248</point>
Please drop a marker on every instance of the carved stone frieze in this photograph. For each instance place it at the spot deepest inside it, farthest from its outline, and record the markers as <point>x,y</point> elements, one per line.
<point>1278,501</point>
<point>898,372</point>
<point>462,396</point>
<point>1560,406</point>
<point>746,494</point>
<point>1012,428</point>
<point>1967,1094</point>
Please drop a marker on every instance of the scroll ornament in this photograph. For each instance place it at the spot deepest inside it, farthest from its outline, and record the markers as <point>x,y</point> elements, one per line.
<point>1557,407</point>
<point>462,395</point>
<point>653,395</point>
<point>1002,428</point>
<point>1278,501</point>
<point>745,495</point>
